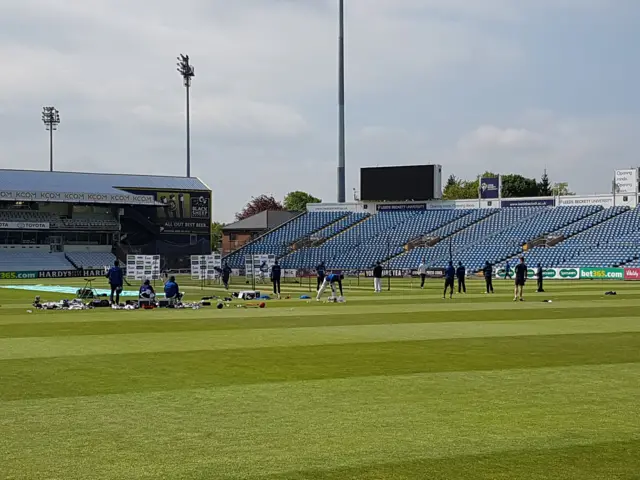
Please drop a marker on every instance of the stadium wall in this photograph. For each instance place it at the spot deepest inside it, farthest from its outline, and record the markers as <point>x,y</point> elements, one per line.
<point>606,201</point>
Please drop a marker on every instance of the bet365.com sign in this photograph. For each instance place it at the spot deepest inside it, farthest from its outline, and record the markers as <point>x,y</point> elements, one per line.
<point>602,273</point>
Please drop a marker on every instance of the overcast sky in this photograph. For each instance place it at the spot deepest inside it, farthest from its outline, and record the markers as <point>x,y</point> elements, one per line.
<point>511,86</point>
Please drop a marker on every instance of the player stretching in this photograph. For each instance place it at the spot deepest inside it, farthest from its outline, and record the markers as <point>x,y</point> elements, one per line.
<point>331,280</point>
<point>521,278</point>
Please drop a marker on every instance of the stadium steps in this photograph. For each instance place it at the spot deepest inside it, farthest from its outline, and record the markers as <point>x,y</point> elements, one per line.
<point>71,261</point>
<point>364,219</point>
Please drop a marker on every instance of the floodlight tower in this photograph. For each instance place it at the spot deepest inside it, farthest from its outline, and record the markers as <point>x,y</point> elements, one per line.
<point>187,72</point>
<point>51,120</point>
<point>341,141</point>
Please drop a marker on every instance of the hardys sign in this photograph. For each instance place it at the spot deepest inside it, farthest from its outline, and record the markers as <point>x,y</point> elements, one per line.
<point>51,274</point>
<point>71,273</point>
<point>594,273</point>
<point>76,197</point>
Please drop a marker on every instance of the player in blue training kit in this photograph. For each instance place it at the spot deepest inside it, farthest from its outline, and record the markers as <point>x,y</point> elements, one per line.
<point>449,275</point>
<point>331,280</point>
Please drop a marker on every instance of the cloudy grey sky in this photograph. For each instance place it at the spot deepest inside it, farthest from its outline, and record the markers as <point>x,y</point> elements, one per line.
<point>501,85</point>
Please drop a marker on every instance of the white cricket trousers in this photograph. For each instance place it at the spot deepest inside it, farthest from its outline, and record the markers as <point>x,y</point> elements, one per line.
<point>377,284</point>
<point>323,287</point>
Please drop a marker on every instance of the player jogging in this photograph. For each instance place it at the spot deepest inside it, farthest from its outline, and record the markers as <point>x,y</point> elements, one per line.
<point>331,280</point>
<point>449,275</point>
<point>521,278</point>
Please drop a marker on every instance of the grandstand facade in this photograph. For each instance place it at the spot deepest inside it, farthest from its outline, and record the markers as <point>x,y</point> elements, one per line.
<point>64,223</point>
<point>600,231</point>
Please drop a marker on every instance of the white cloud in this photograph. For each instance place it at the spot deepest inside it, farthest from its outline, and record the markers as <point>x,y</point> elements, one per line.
<point>264,95</point>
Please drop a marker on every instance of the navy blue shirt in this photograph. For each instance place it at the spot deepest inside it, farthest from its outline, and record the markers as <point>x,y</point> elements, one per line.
<point>115,276</point>
<point>488,271</point>
<point>320,270</point>
<point>449,272</point>
<point>461,271</point>
<point>276,272</point>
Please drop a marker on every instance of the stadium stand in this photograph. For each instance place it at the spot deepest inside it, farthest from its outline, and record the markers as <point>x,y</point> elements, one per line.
<point>554,256</point>
<point>33,261</point>
<point>586,235</point>
<point>90,260</point>
<point>280,240</point>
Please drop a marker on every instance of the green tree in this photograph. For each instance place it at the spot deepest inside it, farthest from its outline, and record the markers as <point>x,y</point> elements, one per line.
<point>297,201</point>
<point>514,185</point>
<point>561,189</point>
<point>216,236</point>
<point>457,189</point>
<point>544,186</point>
<point>259,204</point>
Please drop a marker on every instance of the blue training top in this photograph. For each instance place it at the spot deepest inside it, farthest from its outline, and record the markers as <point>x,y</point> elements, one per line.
<point>333,277</point>
<point>450,272</point>
<point>115,276</point>
<point>171,289</point>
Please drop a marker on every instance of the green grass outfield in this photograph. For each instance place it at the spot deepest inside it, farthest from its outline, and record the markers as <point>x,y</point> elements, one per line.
<point>401,385</point>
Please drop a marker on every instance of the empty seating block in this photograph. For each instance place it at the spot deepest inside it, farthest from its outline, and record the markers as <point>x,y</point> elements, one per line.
<point>91,260</point>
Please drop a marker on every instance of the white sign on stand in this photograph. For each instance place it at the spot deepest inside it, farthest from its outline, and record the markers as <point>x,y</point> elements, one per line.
<point>626,181</point>
<point>143,267</point>
<point>206,267</point>
<point>259,265</point>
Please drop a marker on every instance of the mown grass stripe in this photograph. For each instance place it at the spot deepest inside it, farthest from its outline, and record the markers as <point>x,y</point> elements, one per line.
<point>139,324</point>
<point>43,347</point>
<point>301,309</point>
<point>336,428</point>
<point>106,374</point>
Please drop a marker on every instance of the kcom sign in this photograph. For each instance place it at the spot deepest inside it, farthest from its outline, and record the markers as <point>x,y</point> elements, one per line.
<point>602,273</point>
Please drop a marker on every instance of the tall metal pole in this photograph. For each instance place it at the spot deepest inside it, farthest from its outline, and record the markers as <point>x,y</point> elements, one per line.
<point>341,128</point>
<point>188,131</point>
<point>186,70</point>
<point>51,149</point>
<point>51,120</point>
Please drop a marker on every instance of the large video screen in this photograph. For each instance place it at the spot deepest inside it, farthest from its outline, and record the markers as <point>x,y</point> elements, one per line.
<point>402,183</point>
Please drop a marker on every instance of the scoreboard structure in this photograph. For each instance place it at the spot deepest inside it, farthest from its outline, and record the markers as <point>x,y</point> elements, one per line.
<point>401,183</point>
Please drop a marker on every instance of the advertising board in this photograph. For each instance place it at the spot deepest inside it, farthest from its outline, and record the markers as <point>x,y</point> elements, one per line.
<point>632,274</point>
<point>489,187</point>
<point>626,181</point>
<point>596,273</point>
<point>77,197</point>
<point>24,225</point>
<point>17,275</point>
<point>564,273</point>
<point>533,202</point>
